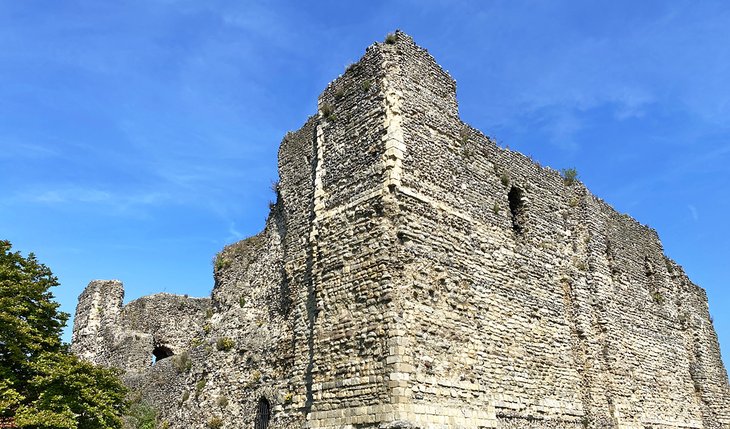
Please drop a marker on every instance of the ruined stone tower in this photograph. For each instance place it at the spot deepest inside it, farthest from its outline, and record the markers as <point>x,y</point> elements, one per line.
<point>414,274</point>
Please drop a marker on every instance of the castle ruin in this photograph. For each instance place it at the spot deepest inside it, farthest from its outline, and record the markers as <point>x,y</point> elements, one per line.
<point>413,274</point>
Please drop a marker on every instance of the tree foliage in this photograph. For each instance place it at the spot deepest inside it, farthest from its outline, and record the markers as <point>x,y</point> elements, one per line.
<point>41,384</point>
<point>30,320</point>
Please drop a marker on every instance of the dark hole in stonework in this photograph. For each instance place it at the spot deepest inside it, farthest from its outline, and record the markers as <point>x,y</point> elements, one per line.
<point>161,352</point>
<point>263,414</point>
<point>516,208</point>
<point>379,209</point>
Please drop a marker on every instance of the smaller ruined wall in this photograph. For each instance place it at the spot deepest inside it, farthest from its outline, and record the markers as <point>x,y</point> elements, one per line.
<point>126,337</point>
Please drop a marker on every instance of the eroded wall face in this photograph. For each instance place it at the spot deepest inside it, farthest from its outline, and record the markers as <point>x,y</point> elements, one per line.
<point>97,312</point>
<point>253,336</point>
<point>245,352</point>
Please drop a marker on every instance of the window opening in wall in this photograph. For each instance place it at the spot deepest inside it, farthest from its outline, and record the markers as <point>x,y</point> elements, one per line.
<point>263,414</point>
<point>517,209</point>
<point>160,352</point>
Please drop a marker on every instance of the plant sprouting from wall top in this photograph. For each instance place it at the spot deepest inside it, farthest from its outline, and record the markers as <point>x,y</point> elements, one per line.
<point>570,175</point>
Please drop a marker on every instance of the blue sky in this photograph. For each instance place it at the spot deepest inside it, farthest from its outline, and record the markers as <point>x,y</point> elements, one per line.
<point>139,137</point>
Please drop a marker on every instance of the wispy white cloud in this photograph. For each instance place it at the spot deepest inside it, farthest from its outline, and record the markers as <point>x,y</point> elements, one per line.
<point>673,55</point>
<point>234,234</point>
<point>69,196</point>
<point>14,150</point>
<point>116,201</point>
<point>561,126</point>
<point>693,212</point>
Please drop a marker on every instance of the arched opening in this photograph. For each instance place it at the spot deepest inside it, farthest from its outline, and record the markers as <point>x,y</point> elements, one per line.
<point>263,414</point>
<point>161,352</point>
<point>517,209</point>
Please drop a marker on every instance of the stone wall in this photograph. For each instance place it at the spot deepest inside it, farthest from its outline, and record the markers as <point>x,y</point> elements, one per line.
<point>106,332</point>
<point>414,274</point>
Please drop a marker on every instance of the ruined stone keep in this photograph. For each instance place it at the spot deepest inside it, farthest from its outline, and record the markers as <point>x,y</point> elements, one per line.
<point>414,274</point>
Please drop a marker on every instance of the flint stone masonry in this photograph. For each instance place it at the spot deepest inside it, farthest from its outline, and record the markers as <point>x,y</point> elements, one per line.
<point>413,274</point>
<point>105,332</point>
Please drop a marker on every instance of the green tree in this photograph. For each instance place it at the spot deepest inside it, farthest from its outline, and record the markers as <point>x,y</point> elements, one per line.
<point>41,384</point>
<point>30,320</point>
